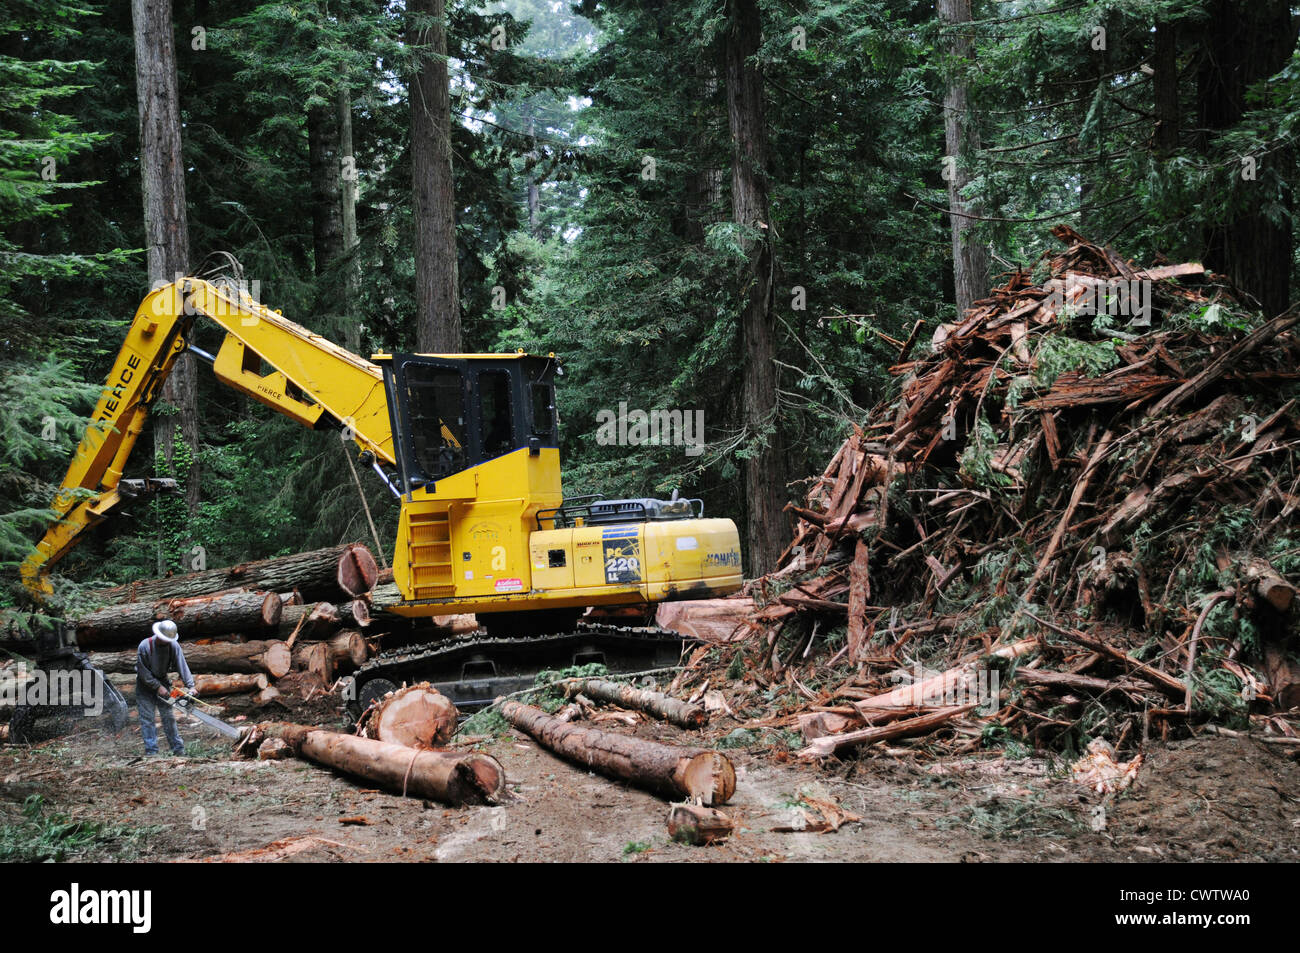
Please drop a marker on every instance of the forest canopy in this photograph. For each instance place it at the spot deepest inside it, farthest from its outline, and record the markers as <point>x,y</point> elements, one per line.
<point>739,209</point>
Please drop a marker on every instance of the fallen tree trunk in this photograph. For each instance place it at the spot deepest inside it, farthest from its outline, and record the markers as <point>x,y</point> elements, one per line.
<point>418,716</point>
<point>453,777</point>
<point>197,616</point>
<point>693,773</point>
<point>661,706</point>
<point>320,620</point>
<point>321,573</point>
<point>270,658</point>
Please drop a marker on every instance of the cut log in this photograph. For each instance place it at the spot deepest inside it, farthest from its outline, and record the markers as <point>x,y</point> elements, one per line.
<point>418,716</point>
<point>1270,585</point>
<point>274,749</point>
<point>230,684</point>
<point>266,695</point>
<point>453,777</point>
<point>222,613</point>
<point>201,615</point>
<point>1283,678</point>
<point>319,574</point>
<point>661,706</point>
<point>343,652</point>
<point>308,623</point>
<point>692,824</point>
<point>692,773</point>
<point>271,658</point>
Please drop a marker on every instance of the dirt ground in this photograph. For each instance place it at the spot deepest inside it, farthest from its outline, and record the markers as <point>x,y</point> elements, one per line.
<point>1201,799</point>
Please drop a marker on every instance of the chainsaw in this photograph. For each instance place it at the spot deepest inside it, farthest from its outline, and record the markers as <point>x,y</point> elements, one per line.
<point>192,706</point>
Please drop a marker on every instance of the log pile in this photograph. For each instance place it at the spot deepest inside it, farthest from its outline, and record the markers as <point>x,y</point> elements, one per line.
<point>1095,507</point>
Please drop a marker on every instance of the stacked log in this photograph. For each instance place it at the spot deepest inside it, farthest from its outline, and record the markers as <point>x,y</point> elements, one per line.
<point>320,574</point>
<point>268,658</point>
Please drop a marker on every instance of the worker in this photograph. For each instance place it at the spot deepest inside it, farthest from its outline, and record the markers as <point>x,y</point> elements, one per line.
<point>159,655</point>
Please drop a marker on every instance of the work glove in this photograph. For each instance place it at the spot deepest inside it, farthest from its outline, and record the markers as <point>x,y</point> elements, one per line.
<point>163,692</point>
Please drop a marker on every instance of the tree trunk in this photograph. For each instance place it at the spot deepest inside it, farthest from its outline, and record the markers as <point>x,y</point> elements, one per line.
<point>661,706</point>
<point>348,180</point>
<point>437,304</point>
<point>418,716</point>
<point>320,620</point>
<point>1246,41</point>
<point>320,573</point>
<point>453,777</point>
<point>167,238</point>
<point>765,469</point>
<point>970,259</point>
<point>271,658</point>
<point>326,191</point>
<point>675,772</point>
<point>1164,60</point>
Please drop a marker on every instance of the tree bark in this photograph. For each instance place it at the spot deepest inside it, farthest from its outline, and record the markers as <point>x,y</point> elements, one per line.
<point>437,303</point>
<point>217,614</point>
<point>453,777</point>
<point>692,773</point>
<point>1246,41</point>
<point>661,706</point>
<point>167,239</point>
<point>270,658</point>
<point>348,181</point>
<point>765,468</point>
<point>326,190</point>
<point>970,259</point>
<point>418,716</point>
<point>320,573</point>
<point>229,684</point>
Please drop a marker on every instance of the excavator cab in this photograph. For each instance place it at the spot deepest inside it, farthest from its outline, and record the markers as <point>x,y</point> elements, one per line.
<point>450,414</point>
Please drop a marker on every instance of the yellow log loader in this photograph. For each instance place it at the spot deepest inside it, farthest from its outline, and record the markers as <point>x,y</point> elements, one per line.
<point>467,443</point>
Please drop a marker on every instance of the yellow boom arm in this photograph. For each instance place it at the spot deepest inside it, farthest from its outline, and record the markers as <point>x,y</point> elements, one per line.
<point>311,380</point>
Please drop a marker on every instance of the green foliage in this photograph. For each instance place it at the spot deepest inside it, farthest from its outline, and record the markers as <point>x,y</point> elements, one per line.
<point>41,836</point>
<point>1060,354</point>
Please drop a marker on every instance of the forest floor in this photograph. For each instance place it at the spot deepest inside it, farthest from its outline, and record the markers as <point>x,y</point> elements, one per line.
<point>1199,799</point>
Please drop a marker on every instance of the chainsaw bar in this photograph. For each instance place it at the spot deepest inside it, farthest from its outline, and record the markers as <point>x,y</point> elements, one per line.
<point>473,670</point>
<point>179,704</point>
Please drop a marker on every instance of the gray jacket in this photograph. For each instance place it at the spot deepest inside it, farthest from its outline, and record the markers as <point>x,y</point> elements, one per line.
<point>155,658</point>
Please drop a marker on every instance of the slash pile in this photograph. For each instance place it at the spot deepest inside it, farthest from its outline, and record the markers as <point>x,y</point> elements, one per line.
<point>1084,497</point>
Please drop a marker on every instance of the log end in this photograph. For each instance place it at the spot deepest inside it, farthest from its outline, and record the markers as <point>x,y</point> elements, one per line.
<point>357,571</point>
<point>277,659</point>
<point>710,778</point>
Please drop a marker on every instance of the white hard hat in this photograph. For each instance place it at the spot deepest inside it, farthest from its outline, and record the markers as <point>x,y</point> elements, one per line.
<point>166,629</point>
